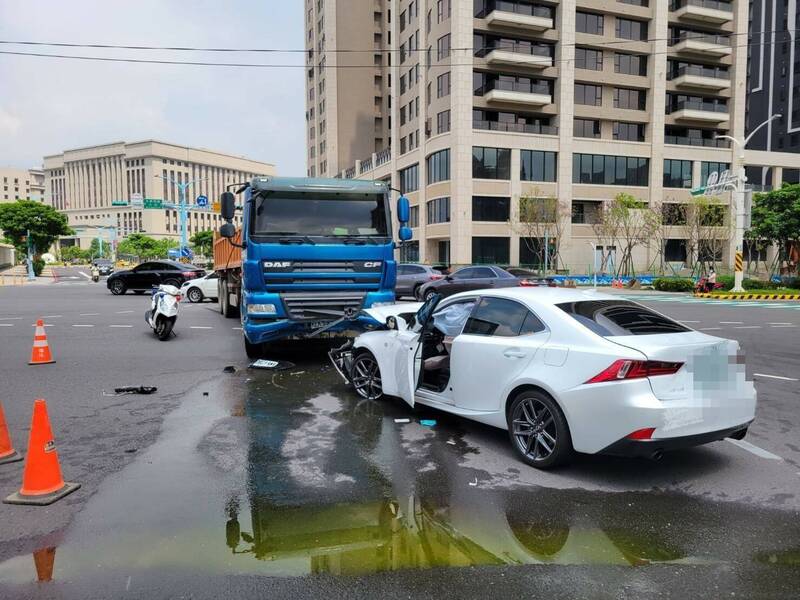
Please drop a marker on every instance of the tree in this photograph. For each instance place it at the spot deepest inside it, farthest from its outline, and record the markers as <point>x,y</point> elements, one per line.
<point>144,246</point>
<point>705,220</point>
<point>94,249</point>
<point>202,241</point>
<point>44,223</point>
<point>70,253</point>
<point>776,218</point>
<point>540,219</point>
<point>625,222</point>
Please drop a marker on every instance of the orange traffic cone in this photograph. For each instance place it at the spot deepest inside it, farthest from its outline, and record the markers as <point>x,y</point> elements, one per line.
<point>7,452</point>
<point>42,483</point>
<point>44,559</point>
<point>40,355</point>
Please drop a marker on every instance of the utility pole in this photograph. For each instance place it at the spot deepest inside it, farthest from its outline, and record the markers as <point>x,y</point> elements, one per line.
<point>739,193</point>
<point>182,208</point>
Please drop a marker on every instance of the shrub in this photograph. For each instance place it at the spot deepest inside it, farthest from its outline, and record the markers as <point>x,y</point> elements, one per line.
<point>757,284</point>
<point>673,284</point>
<point>38,266</point>
<point>726,281</point>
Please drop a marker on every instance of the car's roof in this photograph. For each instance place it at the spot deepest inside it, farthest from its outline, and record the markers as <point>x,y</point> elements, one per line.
<point>542,295</point>
<point>174,263</point>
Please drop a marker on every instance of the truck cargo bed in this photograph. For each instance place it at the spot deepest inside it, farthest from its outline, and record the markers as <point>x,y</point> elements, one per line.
<point>227,255</point>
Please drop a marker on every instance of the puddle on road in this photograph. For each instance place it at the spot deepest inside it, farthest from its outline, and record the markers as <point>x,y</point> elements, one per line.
<point>291,474</point>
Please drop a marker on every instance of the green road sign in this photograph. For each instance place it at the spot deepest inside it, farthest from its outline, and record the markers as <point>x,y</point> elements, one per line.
<point>119,203</point>
<point>153,203</point>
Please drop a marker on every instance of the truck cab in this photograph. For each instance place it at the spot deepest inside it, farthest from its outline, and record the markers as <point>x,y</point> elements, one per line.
<point>314,252</point>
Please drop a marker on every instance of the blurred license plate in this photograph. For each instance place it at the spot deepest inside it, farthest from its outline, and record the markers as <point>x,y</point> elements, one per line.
<point>317,324</point>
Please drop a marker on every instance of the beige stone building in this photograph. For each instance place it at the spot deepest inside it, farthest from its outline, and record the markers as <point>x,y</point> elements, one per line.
<point>579,100</point>
<point>21,184</point>
<point>110,190</point>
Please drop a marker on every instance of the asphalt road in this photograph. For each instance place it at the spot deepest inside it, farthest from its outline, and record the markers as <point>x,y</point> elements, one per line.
<point>285,483</point>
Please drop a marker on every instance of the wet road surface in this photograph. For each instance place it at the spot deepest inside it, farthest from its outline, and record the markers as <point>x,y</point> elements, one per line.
<point>291,475</point>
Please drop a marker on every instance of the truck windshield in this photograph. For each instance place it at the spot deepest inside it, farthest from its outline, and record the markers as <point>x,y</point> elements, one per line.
<point>327,215</point>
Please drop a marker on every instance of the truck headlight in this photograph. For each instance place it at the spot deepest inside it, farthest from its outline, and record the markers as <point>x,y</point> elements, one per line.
<point>261,308</point>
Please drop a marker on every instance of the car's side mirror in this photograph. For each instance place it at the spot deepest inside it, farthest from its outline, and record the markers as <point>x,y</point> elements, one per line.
<point>448,278</point>
<point>227,230</point>
<point>227,203</point>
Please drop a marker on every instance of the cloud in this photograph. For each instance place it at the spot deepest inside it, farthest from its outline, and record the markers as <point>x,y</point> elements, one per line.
<point>61,104</point>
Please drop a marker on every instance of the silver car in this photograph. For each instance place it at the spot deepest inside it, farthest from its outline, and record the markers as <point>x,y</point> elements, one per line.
<point>410,277</point>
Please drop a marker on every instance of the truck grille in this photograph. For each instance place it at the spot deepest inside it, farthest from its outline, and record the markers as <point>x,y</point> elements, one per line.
<point>331,306</point>
<point>302,274</point>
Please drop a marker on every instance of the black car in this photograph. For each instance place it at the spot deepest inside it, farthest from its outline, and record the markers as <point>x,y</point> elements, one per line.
<point>530,278</point>
<point>104,266</point>
<point>469,278</point>
<point>143,277</point>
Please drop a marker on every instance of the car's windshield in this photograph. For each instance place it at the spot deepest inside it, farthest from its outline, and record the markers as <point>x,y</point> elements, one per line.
<point>328,215</point>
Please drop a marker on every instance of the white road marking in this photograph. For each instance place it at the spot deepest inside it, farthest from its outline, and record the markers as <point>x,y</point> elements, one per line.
<point>731,322</point>
<point>775,377</point>
<point>782,326</point>
<point>685,321</point>
<point>82,325</point>
<point>88,314</point>
<point>748,327</point>
<point>124,312</point>
<point>126,326</point>
<point>84,274</point>
<point>778,323</point>
<point>710,329</point>
<point>10,318</point>
<point>753,449</point>
<point>199,327</point>
<point>236,328</point>
<point>6,324</point>
<point>45,324</point>
<point>52,316</point>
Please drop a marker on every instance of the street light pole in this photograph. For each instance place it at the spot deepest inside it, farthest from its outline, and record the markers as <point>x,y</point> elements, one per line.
<point>182,208</point>
<point>737,166</point>
<point>31,275</point>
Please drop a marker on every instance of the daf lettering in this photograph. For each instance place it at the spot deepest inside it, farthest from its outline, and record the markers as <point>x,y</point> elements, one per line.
<point>277,265</point>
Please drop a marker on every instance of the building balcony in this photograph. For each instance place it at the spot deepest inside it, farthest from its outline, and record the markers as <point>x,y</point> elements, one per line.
<point>702,45</point>
<point>702,11</point>
<point>512,57</point>
<point>533,128</point>
<point>700,112</point>
<point>503,18</point>
<point>524,98</point>
<point>701,78</point>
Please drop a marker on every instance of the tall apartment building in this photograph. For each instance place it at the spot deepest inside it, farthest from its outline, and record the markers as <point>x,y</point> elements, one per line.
<point>114,187</point>
<point>21,184</point>
<point>773,83</point>
<point>579,100</point>
<point>347,82</point>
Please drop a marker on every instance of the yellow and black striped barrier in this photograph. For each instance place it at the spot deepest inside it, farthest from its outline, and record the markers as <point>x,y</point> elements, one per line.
<point>749,296</point>
<point>739,262</point>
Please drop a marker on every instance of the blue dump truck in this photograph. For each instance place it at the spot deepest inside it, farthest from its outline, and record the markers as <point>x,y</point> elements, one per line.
<point>310,254</point>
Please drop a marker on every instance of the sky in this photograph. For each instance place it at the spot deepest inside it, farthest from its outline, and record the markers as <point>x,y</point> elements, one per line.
<point>48,105</point>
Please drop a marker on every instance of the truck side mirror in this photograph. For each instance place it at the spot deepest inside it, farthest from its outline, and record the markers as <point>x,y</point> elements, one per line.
<point>405,233</point>
<point>227,230</point>
<point>403,210</point>
<point>227,202</point>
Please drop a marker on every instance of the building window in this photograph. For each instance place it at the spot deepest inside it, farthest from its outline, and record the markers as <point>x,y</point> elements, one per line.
<point>491,250</point>
<point>675,250</point>
<point>586,128</point>
<point>588,95</point>
<point>409,252</point>
<point>443,85</point>
<point>537,165</point>
<point>443,47</point>
<point>409,179</point>
<point>629,132</point>
<point>628,29</point>
<point>599,169</point>
<point>706,168</point>
<point>677,173</point>
<point>443,122</point>
<point>491,163</point>
<point>413,216</point>
<point>586,58</point>
<point>438,211</point>
<point>630,64</point>
<point>586,212</point>
<point>588,23</point>
<point>438,166</point>
<point>630,99</point>
<point>491,208</point>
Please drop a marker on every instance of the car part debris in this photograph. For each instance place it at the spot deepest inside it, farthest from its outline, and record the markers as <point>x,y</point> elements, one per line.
<point>140,389</point>
<point>474,483</point>
<point>276,365</point>
<point>402,420</point>
<point>229,369</point>
<point>427,422</point>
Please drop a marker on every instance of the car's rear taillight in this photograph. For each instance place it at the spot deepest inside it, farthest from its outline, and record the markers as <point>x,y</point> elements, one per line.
<point>635,369</point>
<point>641,434</point>
<point>189,274</point>
<point>527,283</point>
<point>435,277</point>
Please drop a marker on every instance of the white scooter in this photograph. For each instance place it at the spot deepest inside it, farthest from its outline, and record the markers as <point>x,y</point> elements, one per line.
<point>163,310</point>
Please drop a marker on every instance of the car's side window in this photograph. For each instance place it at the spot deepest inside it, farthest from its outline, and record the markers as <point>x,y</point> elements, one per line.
<point>402,270</point>
<point>484,273</point>
<point>143,267</point>
<point>467,273</point>
<point>214,275</point>
<point>416,270</point>
<point>497,317</point>
<point>532,324</point>
<point>450,319</point>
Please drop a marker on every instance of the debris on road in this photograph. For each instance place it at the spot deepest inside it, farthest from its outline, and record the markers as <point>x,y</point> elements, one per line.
<point>141,389</point>
<point>229,369</point>
<point>474,483</point>
<point>427,422</point>
<point>277,365</point>
<point>402,420</point>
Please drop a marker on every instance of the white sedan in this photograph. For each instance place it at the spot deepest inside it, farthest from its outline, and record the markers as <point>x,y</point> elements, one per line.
<point>562,370</point>
<point>196,290</point>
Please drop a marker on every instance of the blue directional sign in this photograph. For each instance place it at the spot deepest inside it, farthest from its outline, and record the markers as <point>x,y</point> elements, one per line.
<point>202,201</point>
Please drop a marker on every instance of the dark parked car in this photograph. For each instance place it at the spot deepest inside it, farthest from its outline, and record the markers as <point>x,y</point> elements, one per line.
<point>469,278</point>
<point>410,277</point>
<point>104,265</point>
<point>529,278</point>
<point>143,277</point>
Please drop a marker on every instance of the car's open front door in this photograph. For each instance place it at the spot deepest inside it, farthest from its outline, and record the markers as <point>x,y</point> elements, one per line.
<point>408,352</point>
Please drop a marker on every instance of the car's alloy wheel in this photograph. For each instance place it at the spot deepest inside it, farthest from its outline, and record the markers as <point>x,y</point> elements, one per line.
<point>366,377</point>
<point>539,431</point>
<point>195,295</point>
<point>117,288</point>
<point>429,294</point>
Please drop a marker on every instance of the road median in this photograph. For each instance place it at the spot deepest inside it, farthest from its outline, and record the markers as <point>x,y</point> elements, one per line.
<point>748,296</point>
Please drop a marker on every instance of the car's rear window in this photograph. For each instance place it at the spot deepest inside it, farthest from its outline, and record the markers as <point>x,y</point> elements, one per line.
<point>611,318</point>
